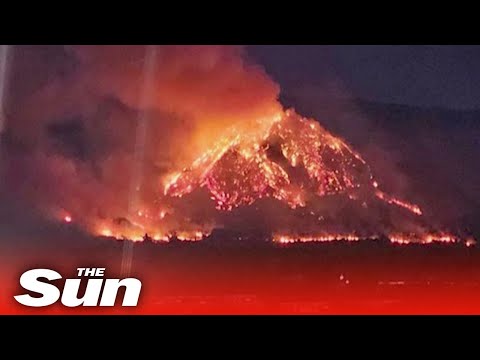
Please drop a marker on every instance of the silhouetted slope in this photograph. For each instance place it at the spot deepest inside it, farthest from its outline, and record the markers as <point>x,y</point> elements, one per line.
<point>427,154</point>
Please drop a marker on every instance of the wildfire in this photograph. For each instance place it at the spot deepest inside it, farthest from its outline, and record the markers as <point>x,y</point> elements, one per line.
<point>391,200</point>
<point>405,239</point>
<point>238,170</point>
<point>191,235</point>
<point>402,239</point>
<point>289,239</point>
<point>279,238</point>
<point>138,236</point>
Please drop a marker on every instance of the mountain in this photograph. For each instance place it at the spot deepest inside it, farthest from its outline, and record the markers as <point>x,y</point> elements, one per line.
<point>427,154</point>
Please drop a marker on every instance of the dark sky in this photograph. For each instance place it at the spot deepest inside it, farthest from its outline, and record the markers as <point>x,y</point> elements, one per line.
<point>425,75</point>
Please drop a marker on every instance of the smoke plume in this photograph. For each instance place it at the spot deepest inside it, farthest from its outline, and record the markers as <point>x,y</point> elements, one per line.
<point>75,116</point>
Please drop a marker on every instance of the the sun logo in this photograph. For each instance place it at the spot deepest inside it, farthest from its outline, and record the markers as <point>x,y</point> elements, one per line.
<point>30,280</point>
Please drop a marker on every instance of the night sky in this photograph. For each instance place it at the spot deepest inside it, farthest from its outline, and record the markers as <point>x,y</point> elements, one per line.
<point>429,75</point>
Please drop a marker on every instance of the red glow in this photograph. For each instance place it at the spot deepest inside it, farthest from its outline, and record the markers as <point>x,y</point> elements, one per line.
<point>387,282</point>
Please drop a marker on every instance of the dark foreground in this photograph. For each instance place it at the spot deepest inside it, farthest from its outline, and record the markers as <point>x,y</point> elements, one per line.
<point>262,278</point>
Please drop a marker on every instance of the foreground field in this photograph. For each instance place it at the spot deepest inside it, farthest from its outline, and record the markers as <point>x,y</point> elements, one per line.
<point>366,277</point>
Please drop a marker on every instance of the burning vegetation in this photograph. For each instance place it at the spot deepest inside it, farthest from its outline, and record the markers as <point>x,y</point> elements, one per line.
<point>309,163</point>
<point>175,141</point>
<point>238,173</point>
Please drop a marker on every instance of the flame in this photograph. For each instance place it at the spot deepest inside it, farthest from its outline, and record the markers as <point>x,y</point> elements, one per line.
<point>238,170</point>
<point>402,239</point>
<point>391,200</point>
<point>218,128</point>
<point>470,242</point>
<point>290,239</point>
<point>191,235</point>
<point>138,236</point>
<point>405,239</point>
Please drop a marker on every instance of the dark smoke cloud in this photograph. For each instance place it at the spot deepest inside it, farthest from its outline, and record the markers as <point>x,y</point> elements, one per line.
<point>73,114</point>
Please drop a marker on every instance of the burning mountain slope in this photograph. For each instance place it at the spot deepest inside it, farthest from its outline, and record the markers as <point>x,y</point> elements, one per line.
<point>295,160</point>
<point>322,188</point>
<point>301,164</point>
